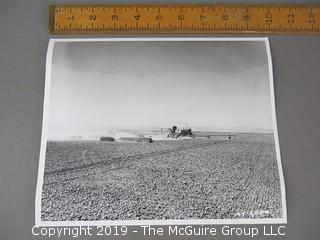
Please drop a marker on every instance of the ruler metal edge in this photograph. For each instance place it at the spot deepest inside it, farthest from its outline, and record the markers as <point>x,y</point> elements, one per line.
<point>229,5</point>
<point>52,18</point>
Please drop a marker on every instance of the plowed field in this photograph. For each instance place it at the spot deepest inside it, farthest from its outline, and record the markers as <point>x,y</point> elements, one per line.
<point>207,178</point>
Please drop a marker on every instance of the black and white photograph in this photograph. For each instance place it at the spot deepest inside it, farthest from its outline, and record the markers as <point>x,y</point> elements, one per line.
<point>159,131</point>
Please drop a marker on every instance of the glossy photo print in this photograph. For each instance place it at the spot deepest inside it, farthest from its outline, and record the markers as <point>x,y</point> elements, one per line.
<point>159,131</point>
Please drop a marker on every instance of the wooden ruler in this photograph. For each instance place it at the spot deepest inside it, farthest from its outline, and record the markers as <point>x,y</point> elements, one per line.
<point>192,19</point>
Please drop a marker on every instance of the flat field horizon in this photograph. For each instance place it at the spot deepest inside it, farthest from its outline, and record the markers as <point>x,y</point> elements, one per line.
<point>184,179</point>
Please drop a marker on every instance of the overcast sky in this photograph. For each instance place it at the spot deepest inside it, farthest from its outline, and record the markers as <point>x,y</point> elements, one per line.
<point>102,86</point>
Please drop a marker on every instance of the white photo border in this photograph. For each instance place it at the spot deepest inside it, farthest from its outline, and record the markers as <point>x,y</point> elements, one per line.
<point>41,223</point>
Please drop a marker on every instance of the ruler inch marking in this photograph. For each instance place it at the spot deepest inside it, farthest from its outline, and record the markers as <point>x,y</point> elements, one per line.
<point>185,18</point>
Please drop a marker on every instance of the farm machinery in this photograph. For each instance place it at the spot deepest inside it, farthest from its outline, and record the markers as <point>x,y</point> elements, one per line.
<point>187,133</point>
<point>175,132</point>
